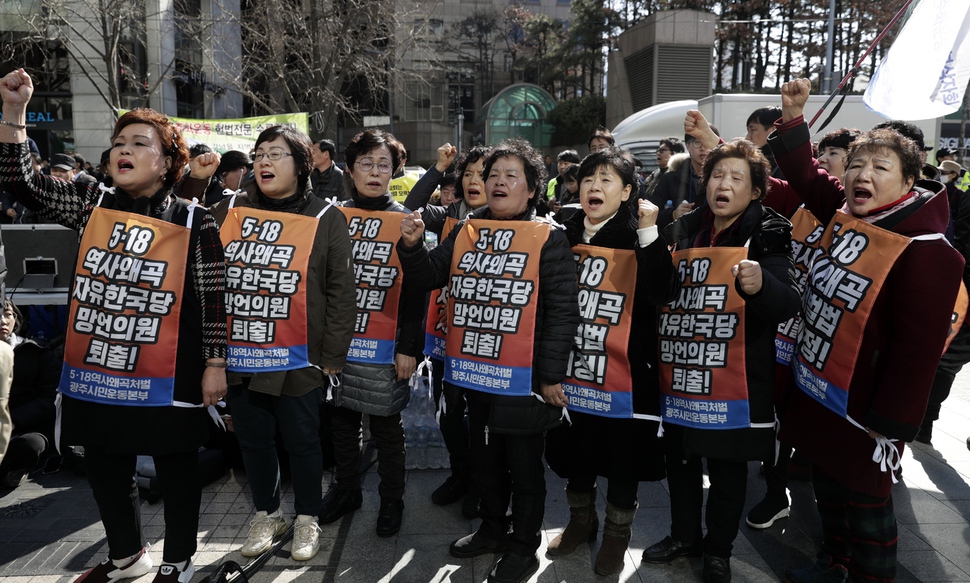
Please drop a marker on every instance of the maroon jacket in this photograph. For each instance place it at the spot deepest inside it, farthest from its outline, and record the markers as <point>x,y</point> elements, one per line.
<point>903,338</point>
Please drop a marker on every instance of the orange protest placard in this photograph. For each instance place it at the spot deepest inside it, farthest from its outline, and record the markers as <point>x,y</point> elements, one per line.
<point>598,379</point>
<point>377,271</point>
<point>124,316</point>
<point>842,286</point>
<point>267,254</point>
<point>492,305</point>
<point>805,236</point>
<point>436,326</point>
<point>703,379</point>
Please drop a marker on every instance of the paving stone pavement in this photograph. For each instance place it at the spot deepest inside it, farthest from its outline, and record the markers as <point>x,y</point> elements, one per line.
<point>50,531</point>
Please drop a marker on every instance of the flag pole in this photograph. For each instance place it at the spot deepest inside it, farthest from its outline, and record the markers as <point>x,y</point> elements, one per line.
<point>861,60</point>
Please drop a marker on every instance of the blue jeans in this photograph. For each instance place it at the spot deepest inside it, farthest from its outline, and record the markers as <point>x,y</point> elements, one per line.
<point>255,417</point>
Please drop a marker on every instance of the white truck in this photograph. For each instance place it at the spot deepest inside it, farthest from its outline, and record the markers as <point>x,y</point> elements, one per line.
<point>641,132</point>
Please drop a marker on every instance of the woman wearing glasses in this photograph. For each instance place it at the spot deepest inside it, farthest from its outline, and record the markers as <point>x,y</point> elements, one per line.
<point>291,312</point>
<point>387,337</point>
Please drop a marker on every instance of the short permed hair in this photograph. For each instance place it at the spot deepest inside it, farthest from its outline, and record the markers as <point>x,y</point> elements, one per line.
<point>535,170</point>
<point>747,151</point>
<point>885,139</point>
<point>464,161</point>
<point>173,144</point>
<point>369,140</point>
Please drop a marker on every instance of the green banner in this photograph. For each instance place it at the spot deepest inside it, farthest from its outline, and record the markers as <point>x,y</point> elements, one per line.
<point>240,134</point>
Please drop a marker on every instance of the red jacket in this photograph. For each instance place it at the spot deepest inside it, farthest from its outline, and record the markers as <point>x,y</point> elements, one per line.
<point>903,338</point>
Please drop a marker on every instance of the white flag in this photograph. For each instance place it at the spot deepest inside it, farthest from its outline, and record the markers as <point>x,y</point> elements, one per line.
<point>925,74</point>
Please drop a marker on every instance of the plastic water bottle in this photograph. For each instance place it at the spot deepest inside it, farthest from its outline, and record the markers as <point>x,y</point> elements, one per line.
<point>421,447</point>
<point>437,452</point>
<point>414,451</point>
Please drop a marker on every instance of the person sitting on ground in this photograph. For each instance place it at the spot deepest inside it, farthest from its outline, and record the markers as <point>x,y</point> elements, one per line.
<point>37,372</point>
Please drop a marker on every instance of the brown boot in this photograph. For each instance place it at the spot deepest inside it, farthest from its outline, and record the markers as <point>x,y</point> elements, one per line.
<point>582,526</point>
<point>616,538</point>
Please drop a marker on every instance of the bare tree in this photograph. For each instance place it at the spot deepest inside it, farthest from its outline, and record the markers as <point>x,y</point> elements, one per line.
<point>333,58</point>
<point>104,40</point>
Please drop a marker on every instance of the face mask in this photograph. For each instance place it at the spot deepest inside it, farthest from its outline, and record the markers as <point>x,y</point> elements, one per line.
<point>944,179</point>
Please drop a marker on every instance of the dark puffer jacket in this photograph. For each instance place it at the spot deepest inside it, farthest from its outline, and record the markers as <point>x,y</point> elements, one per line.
<point>375,389</point>
<point>770,245</point>
<point>557,318</point>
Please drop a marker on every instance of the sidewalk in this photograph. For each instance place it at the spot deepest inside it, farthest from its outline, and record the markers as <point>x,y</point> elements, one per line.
<point>50,531</point>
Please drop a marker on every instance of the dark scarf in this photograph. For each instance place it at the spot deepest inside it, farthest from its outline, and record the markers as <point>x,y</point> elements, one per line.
<point>149,206</point>
<point>295,203</point>
<point>372,204</point>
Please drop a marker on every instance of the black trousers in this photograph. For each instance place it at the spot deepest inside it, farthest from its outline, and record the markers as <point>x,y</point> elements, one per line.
<point>725,498</point>
<point>112,479</point>
<point>957,355</point>
<point>619,493</point>
<point>508,468</point>
<point>23,453</point>
<point>453,427</point>
<point>388,433</point>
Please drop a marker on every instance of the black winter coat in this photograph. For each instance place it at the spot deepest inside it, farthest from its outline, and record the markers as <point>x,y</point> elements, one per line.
<point>674,187</point>
<point>557,318</point>
<point>598,445</point>
<point>770,245</point>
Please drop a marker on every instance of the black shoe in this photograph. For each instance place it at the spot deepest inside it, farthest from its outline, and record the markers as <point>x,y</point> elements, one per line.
<point>452,490</point>
<point>717,569</point>
<point>338,502</point>
<point>474,545</point>
<point>389,518</point>
<point>669,549</point>
<point>514,568</point>
<point>766,512</point>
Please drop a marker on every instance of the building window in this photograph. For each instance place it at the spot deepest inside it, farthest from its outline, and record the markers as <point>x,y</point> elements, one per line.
<point>429,29</point>
<point>424,102</point>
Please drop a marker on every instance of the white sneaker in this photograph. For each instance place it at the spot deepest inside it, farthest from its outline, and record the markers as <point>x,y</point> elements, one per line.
<point>306,538</point>
<point>265,528</point>
<point>169,573</point>
<point>108,572</point>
